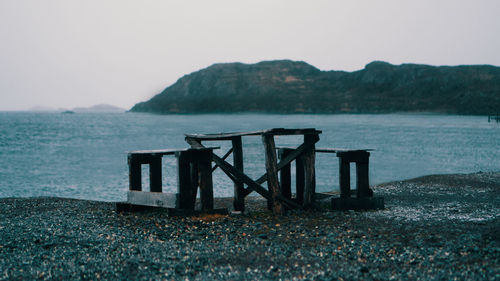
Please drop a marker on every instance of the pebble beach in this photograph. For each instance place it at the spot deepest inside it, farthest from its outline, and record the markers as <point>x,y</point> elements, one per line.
<point>441,227</point>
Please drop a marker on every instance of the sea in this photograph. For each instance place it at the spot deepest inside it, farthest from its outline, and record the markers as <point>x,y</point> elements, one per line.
<point>84,155</point>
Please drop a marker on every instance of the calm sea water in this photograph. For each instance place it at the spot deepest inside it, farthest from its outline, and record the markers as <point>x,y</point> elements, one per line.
<point>84,155</point>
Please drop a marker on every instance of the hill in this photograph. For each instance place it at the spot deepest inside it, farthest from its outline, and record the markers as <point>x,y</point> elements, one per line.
<point>99,108</point>
<point>297,87</point>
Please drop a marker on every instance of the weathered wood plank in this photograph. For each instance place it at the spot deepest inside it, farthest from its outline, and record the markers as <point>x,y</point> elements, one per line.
<point>299,180</point>
<point>239,189</point>
<point>354,155</point>
<point>159,152</point>
<point>274,131</point>
<point>155,174</point>
<point>184,184</point>
<point>223,136</point>
<point>272,174</point>
<point>135,173</point>
<point>206,185</point>
<point>362,180</point>
<point>329,150</point>
<point>344,178</point>
<point>155,199</point>
<point>194,172</point>
<point>309,158</point>
<point>285,175</point>
<point>282,131</point>
<point>223,158</point>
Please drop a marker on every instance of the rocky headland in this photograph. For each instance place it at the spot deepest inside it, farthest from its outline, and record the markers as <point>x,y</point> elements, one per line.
<point>297,87</point>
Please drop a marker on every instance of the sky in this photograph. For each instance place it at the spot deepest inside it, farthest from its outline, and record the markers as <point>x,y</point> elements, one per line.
<point>69,53</point>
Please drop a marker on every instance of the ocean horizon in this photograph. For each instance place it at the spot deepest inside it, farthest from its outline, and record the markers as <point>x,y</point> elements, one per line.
<point>84,155</point>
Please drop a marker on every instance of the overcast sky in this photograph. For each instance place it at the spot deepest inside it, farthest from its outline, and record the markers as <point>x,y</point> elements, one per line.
<point>69,53</point>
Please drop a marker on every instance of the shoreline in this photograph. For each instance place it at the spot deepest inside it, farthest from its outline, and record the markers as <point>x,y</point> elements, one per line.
<point>433,227</point>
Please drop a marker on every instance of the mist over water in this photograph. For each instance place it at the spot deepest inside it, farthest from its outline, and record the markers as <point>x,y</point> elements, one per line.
<point>85,155</point>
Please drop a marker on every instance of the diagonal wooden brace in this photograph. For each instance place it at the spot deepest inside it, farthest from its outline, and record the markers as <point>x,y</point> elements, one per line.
<point>234,173</point>
<point>287,160</point>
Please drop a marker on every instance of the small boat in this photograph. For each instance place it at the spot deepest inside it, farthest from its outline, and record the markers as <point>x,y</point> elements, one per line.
<point>68,112</point>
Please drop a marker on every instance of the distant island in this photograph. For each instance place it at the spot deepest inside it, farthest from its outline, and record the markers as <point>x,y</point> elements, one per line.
<point>99,108</point>
<point>296,87</point>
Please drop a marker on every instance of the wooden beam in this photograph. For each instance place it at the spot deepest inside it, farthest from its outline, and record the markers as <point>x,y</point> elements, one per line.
<point>135,173</point>
<point>344,178</point>
<point>309,158</point>
<point>362,177</point>
<point>184,185</point>
<point>299,179</point>
<point>285,175</point>
<point>228,169</point>
<point>224,158</point>
<point>206,185</point>
<point>155,174</point>
<point>239,189</point>
<point>272,174</point>
<point>288,159</point>
<point>194,170</point>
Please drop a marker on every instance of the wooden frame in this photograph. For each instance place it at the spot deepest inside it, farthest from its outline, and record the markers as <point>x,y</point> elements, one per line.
<point>194,170</point>
<point>277,199</point>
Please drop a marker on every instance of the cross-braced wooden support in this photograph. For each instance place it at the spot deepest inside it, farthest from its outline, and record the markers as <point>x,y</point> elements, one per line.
<point>277,198</point>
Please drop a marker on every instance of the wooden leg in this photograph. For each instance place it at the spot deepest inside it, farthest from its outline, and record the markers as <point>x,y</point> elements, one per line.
<point>309,158</point>
<point>309,179</point>
<point>285,175</point>
<point>299,179</point>
<point>362,177</point>
<point>135,176</point>
<point>344,177</point>
<point>239,190</point>
<point>194,170</point>
<point>155,174</point>
<point>206,185</point>
<point>272,174</point>
<point>184,185</point>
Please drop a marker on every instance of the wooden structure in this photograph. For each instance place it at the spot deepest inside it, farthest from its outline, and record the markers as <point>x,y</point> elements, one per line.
<point>194,170</point>
<point>277,197</point>
<point>364,195</point>
<point>194,167</point>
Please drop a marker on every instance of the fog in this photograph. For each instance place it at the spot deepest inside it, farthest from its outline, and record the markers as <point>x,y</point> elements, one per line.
<point>80,53</point>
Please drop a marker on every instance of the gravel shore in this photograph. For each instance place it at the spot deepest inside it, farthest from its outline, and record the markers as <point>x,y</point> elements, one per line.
<point>443,227</point>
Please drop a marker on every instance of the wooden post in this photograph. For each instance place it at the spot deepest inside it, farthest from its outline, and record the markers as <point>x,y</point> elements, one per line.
<point>362,181</point>
<point>272,174</point>
<point>135,176</point>
<point>239,190</point>
<point>155,174</point>
<point>309,171</point>
<point>184,185</point>
<point>344,177</point>
<point>194,170</point>
<point>299,179</point>
<point>285,175</point>
<point>205,180</point>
